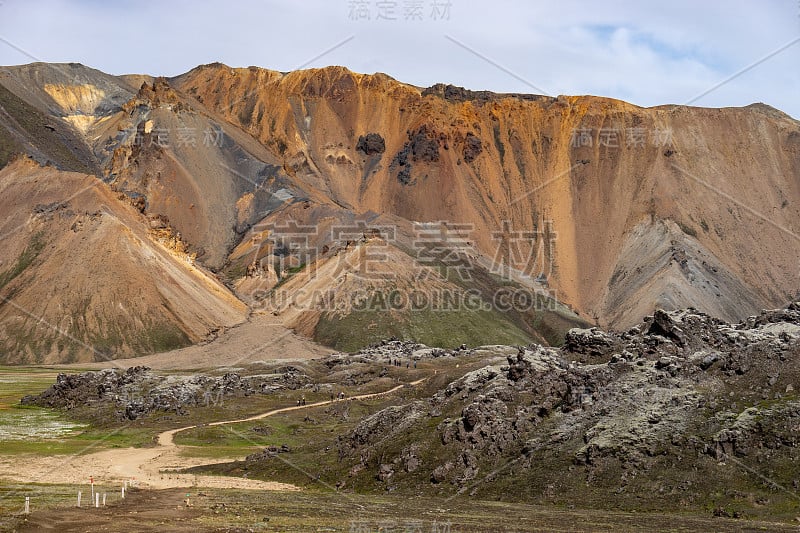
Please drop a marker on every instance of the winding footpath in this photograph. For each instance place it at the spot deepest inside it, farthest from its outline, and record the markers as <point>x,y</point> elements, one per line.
<point>151,467</point>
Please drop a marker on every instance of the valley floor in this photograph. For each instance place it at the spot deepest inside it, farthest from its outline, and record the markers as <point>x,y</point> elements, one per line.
<point>230,510</point>
<point>261,338</point>
<point>403,437</point>
<point>151,467</point>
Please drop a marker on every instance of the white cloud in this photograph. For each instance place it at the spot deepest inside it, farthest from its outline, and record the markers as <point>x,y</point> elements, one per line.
<point>646,53</point>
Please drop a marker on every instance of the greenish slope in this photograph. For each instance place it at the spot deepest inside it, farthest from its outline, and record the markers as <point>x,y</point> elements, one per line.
<point>23,128</point>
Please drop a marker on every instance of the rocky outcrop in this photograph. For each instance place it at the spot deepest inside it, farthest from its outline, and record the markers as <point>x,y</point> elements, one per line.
<point>472,148</point>
<point>454,93</point>
<point>138,392</point>
<point>380,426</point>
<point>424,145</point>
<point>268,453</point>
<point>156,94</point>
<point>590,343</point>
<point>371,144</point>
<point>680,387</point>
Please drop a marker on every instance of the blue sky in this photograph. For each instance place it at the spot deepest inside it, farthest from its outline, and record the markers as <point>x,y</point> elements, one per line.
<point>648,53</point>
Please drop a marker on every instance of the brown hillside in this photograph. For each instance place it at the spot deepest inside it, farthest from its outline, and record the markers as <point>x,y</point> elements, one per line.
<point>727,179</point>
<point>612,209</point>
<point>83,277</point>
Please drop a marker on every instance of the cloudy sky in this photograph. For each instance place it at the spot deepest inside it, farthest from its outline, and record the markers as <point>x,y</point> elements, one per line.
<point>710,53</point>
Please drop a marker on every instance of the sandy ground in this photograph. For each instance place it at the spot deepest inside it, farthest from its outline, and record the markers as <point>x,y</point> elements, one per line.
<point>140,511</point>
<point>262,338</point>
<point>146,467</point>
<point>166,510</point>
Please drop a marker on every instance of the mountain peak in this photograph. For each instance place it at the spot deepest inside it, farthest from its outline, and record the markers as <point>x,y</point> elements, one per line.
<point>574,203</point>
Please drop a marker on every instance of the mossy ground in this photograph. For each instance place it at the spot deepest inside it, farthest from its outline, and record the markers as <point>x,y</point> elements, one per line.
<point>446,329</point>
<point>8,147</point>
<point>546,485</point>
<point>25,259</point>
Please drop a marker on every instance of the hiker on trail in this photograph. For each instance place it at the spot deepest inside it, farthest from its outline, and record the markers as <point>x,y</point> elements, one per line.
<point>304,400</point>
<point>408,365</point>
<point>331,396</point>
<point>415,363</point>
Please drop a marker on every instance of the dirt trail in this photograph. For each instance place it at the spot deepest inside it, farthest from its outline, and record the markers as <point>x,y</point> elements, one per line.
<point>149,467</point>
<point>166,438</point>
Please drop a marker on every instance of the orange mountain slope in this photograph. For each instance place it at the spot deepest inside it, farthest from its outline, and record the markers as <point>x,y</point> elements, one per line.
<point>611,209</point>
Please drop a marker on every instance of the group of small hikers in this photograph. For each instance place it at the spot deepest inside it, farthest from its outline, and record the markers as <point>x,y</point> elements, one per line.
<point>397,362</point>
<point>340,396</point>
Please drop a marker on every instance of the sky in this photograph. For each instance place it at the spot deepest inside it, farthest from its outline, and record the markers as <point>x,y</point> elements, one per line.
<point>713,53</point>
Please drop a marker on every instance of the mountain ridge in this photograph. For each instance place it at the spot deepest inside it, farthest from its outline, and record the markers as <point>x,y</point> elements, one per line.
<point>609,208</point>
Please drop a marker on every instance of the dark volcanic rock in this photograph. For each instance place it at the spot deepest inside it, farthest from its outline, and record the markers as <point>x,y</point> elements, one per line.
<point>137,391</point>
<point>424,146</point>
<point>664,325</point>
<point>454,93</point>
<point>472,148</point>
<point>404,176</point>
<point>267,453</point>
<point>371,143</point>
<point>401,158</point>
<point>679,389</point>
<point>590,343</point>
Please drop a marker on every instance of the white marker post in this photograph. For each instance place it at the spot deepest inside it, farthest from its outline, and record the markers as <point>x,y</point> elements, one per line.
<point>123,492</point>
<point>91,482</point>
<point>27,505</point>
<point>97,500</point>
<point>104,499</point>
<point>79,498</point>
